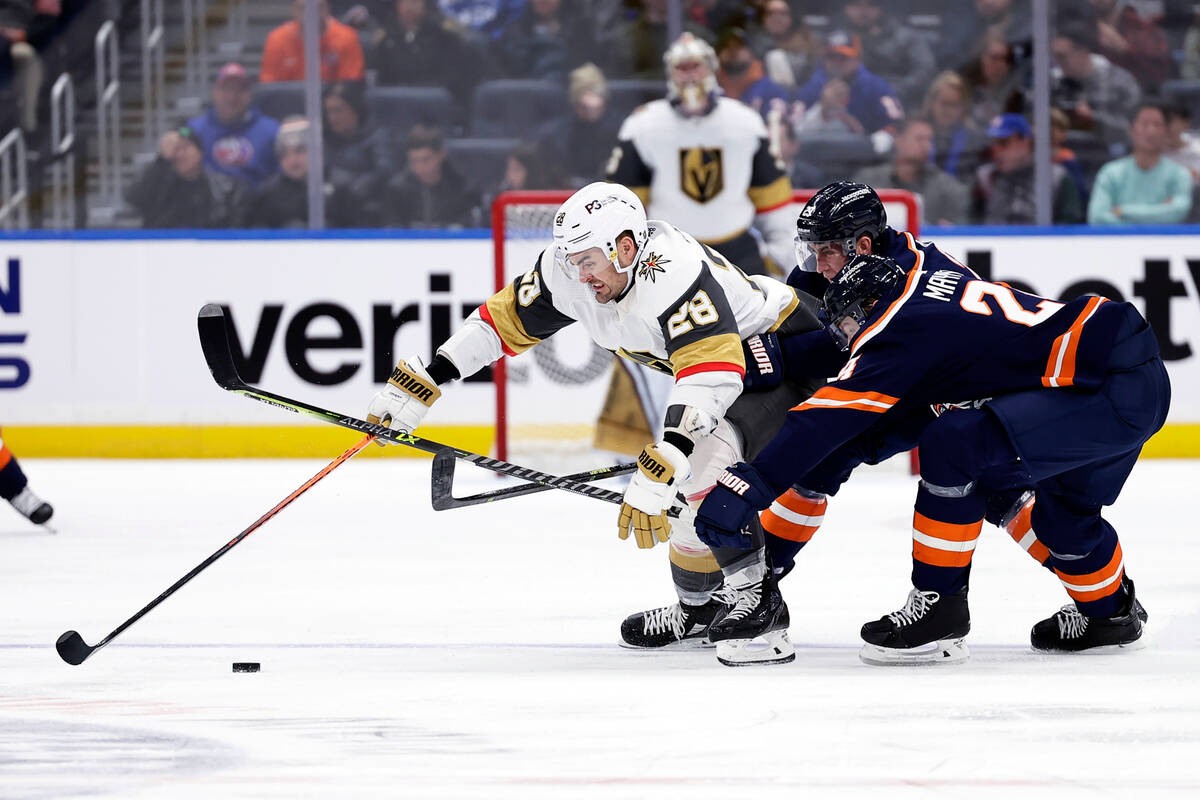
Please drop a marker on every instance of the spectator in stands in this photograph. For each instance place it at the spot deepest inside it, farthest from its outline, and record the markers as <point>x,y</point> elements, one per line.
<point>963,30</point>
<point>891,49</point>
<point>18,57</point>
<point>1003,193</point>
<point>1133,42</point>
<point>430,193</point>
<point>178,191</point>
<point>283,53</point>
<point>282,200</point>
<point>872,100</point>
<point>413,49</point>
<point>830,113</point>
<point>635,49</point>
<point>994,84</point>
<point>1183,146</point>
<point>787,47</point>
<point>740,75</point>
<point>359,159</point>
<point>1060,125</point>
<point>525,169</point>
<point>803,175</point>
<point>546,41</point>
<point>957,148</point>
<point>944,198</point>
<point>486,19</point>
<point>1097,95</point>
<point>1189,67</point>
<point>1143,187</point>
<point>238,140</point>
<point>583,141</point>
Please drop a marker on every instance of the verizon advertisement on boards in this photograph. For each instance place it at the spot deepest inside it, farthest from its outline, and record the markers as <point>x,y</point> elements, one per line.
<point>96,333</point>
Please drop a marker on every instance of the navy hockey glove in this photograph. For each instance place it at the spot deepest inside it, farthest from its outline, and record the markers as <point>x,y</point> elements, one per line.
<point>764,362</point>
<point>740,492</point>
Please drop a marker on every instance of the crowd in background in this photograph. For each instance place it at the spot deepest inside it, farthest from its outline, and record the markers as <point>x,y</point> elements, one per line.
<point>901,94</point>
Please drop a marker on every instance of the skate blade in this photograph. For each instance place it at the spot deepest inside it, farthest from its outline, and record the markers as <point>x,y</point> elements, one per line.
<point>700,643</point>
<point>770,648</point>
<point>1103,650</point>
<point>945,651</point>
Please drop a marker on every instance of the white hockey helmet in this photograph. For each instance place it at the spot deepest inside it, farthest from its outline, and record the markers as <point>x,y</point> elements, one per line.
<point>596,216</point>
<point>691,89</point>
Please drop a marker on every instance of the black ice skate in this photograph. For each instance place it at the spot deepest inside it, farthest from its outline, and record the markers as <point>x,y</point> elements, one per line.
<point>37,510</point>
<point>679,624</point>
<point>1069,631</point>
<point>754,629</point>
<point>929,629</point>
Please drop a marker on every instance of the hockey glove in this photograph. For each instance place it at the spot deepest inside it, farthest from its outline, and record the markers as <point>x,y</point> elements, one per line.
<point>406,398</point>
<point>722,519</point>
<point>661,467</point>
<point>764,362</point>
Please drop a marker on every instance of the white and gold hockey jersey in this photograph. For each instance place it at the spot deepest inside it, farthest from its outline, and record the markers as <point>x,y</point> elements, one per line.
<point>712,175</point>
<point>685,313</point>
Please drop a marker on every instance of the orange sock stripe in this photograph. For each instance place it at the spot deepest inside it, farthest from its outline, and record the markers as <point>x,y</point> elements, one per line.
<point>1095,594</point>
<point>778,526</point>
<point>949,531</point>
<point>5,456</point>
<point>1021,531</point>
<point>798,503</point>
<point>1101,575</point>
<point>1039,552</point>
<point>1095,585</point>
<point>936,557</point>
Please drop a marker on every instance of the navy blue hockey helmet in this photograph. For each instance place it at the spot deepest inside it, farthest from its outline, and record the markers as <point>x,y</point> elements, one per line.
<point>856,290</point>
<point>839,213</point>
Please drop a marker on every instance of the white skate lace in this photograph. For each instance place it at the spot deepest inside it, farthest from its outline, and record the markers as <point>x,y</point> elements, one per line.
<point>26,502</point>
<point>726,595</point>
<point>661,620</point>
<point>746,601</point>
<point>1071,624</point>
<point>918,604</point>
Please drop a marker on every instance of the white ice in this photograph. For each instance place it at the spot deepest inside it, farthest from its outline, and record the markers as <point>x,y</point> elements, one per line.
<point>471,653</point>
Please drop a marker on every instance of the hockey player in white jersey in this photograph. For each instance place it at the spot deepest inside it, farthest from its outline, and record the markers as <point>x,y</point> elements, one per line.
<point>703,162</point>
<point>649,292</point>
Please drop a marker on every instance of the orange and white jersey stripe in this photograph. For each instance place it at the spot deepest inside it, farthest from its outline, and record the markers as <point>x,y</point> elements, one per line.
<point>793,516</point>
<point>1095,585</point>
<point>832,397</point>
<point>1060,367</point>
<point>944,544</point>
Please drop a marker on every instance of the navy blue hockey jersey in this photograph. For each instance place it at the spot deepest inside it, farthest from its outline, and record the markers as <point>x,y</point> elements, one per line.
<point>947,336</point>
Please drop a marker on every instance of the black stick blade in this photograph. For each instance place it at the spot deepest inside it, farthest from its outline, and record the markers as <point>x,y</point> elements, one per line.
<point>214,341</point>
<point>72,648</point>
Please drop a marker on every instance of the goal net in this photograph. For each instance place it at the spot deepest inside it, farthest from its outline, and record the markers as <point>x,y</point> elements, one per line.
<point>548,398</point>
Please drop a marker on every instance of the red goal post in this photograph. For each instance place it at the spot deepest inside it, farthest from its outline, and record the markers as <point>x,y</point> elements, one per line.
<point>521,228</point>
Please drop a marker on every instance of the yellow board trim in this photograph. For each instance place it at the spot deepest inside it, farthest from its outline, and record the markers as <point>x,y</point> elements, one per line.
<point>1180,440</point>
<point>222,441</point>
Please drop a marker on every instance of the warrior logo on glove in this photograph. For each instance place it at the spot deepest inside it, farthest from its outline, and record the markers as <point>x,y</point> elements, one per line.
<point>733,483</point>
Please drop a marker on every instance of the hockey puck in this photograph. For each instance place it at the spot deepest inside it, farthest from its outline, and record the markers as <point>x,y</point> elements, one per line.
<point>246,666</point>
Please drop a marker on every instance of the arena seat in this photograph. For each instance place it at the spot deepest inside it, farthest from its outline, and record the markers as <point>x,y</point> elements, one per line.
<point>836,155</point>
<point>626,95</point>
<point>398,108</point>
<point>280,99</point>
<point>509,107</point>
<point>481,161</point>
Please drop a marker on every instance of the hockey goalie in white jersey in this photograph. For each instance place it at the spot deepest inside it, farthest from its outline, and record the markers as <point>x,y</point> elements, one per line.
<point>650,292</point>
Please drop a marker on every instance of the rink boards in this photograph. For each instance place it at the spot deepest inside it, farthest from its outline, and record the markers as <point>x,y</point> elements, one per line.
<point>99,355</point>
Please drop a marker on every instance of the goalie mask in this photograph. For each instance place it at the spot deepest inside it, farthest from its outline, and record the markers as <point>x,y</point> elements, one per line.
<point>596,216</point>
<point>838,215</point>
<point>691,67</point>
<point>855,293</point>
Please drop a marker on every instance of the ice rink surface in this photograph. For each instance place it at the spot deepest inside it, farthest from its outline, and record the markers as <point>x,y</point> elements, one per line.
<point>472,653</point>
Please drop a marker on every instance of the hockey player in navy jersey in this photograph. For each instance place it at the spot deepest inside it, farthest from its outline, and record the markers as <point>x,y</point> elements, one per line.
<point>14,487</point>
<point>839,221</point>
<point>1058,396</point>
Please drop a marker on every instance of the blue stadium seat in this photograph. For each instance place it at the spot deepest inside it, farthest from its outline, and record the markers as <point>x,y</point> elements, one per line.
<point>481,161</point>
<point>626,95</point>
<point>280,99</point>
<point>838,156</point>
<point>515,107</point>
<point>398,108</point>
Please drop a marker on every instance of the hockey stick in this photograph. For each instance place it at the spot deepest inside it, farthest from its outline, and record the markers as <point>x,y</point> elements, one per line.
<point>442,483</point>
<point>74,650</point>
<point>215,342</point>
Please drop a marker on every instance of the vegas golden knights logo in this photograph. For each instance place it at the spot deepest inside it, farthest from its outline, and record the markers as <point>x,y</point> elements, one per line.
<point>701,175</point>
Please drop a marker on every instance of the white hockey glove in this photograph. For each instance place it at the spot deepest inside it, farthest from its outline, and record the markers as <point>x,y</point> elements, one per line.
<point>661,467</point>
<point>406,398</point>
